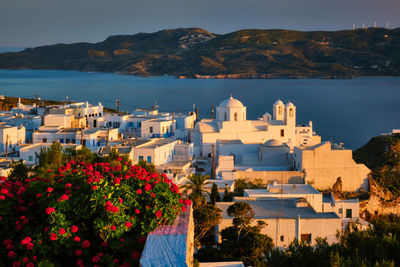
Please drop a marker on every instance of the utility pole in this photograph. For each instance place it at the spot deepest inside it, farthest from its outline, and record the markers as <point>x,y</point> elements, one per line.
<point>197,114</point>
<point>173,125</point>
<point>213,162</point>
<point>36,98</point>
<point>212,112</point>
<point>117,105</point>
<point>6,146</point>
<point>66,100</point>
<point>108,138</point>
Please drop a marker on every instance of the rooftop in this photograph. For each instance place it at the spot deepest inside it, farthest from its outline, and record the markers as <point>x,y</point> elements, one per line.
<point>278,208</point>
<point>153,143</point>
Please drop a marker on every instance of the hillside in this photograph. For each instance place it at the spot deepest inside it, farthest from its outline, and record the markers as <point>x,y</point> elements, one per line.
<point>192,52</point>
<point>382,155</point>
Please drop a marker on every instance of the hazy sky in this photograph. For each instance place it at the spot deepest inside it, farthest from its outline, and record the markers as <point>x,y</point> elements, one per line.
<point>38,22</point>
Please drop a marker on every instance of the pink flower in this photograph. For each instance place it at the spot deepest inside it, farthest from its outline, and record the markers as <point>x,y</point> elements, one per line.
<point>139,191</point>
<point>117,180</point>
<point>119,159</point>
<point>78,252</point>
<point>61,231</point>
<point>137,211</point>
<point>94,187</point>
<point>7,241</point>
<point>50,210</point>
<point>68,185</point>
<point>74,228</point>
<point>183,208</point>
<point>12,254</point>
<point>120,200</point>
<point>147,187</point>
<point>9,246</point>
<point>86,244</point>
<point>50,189</point>
<point>113,228</point>
<point>16,264</point>
<point>77,239</point>
<point>128,224</point>
<point>53,237</point>
<point>79,262</point>
<point>25,260</point>
<point>30,264</point>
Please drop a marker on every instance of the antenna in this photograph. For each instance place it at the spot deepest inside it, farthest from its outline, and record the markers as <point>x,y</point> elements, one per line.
<point>363,26</point>
<point>374,24</point>
<point>387,25</point>
<point>354,27</point>
<point>117,105</point>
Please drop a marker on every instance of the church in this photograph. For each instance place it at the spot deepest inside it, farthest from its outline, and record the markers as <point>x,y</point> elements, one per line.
<point>231,124</point>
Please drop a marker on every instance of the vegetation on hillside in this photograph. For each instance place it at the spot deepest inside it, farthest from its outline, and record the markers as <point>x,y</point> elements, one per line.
<point>251,53</point>
<point>382,155</point>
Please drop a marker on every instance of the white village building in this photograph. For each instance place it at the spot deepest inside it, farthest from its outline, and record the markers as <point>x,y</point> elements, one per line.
<point>231,124</point>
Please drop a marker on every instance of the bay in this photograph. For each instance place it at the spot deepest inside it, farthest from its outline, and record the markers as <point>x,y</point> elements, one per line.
<point>348,111</point>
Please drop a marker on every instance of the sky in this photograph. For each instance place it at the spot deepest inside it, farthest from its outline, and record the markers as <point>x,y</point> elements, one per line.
<point>29,23</point>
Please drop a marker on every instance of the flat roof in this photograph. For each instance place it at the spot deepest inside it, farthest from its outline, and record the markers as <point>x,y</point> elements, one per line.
<point>153,143</point>
<point>273,208</point>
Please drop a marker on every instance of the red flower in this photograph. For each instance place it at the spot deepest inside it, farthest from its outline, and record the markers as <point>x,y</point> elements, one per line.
<point>50,210</point>
<point>86,244</point>
<point>26,240</point>
<point>25,260</point>
<point>128,224</point>
<point>12,254</point>
<point>78,252</point>
<point>68,185</point>
<point>147,187</point>
<point>153,195</point>
<point>94,187</point>
<point>53,237</point>
<point>63,197</point>
<point>103,244</point>
<point>136,255</point>
<point>74,228</point>
<point>50,189</point>
<point>29,246</point>
<point>79,262</point>
<point>142,239</point>
<point>120,200</point>
<point>9,246</point>
<point>77,239</point>
<point>117,180</point>
<point>183,208</point>
<point>30,264</point>
<point>61,231</point>
<point>7,241</point>
<point>119,159</point>
<point>112,227</point>
<point>139,191</point>
<point>137,211</point>
<point>96,259</point>
<point>158,214</point>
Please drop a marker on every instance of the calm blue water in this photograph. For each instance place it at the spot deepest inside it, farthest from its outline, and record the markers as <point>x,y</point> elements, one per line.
<point>348,111</point>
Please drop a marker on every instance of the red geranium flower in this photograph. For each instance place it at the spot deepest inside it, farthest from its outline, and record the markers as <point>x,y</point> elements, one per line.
<point>86,244</point>
<point>74,228</point>
<point>139,191</point>
<point>136,255</point>
<point>78,252</point>
<point>128,224</point>
<point>77,239</point>
<point>12,254</point>
<point>158,214</point>
<point>50,189</point>
<point>53,237</point>
<point>29,246</point>
<point>50,210</point>
<point>61,231</point>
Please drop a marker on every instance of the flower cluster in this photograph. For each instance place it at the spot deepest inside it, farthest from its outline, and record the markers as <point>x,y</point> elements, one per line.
<point>84,214</point>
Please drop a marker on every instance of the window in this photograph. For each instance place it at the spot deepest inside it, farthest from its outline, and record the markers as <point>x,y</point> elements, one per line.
<point>291,112</point>
<point>61,140</point>
<point>150,129</point>
<point>162,129</point>
<point>225,117</point>
<point>148,159</point>
<point>30,158</point>
<point>282,132</point>
<point>340,211</point>
<point>44,140</point>
<point>280,110</point>
<point>139,124</point>
<point>140,158</point>
<point>282,238</point>
<point>235,116</point>
<point>306,238</point>
<point>349,213</point>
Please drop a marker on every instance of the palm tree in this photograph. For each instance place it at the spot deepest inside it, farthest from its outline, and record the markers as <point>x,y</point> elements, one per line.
<point>195,187</point>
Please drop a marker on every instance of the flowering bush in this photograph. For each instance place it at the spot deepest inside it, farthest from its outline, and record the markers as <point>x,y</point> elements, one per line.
<point>84,214</point>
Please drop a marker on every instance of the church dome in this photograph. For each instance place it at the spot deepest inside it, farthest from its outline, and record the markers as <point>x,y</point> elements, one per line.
<point>231,103</point>
<point>273,142</point>
<point>278,102</point>
<point>289,104</point>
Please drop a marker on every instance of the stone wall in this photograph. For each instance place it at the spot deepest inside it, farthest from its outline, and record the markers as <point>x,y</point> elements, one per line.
<point>268,177</point>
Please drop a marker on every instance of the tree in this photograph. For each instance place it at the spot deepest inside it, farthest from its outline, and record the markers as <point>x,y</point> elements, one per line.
<point>243,241</point>
<point>206,217</point>
<point>227,196</point>
<point>79,155</point>
<point>149,167</point>
<point>195,187</point>
<point>49,159</point>
<point>215,196</point>
<point>20,171</point>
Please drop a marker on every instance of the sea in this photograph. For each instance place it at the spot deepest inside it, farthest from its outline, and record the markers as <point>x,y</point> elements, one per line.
<point>349,111</point>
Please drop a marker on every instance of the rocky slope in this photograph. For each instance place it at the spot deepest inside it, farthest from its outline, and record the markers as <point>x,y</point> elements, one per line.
<point>193,52</point>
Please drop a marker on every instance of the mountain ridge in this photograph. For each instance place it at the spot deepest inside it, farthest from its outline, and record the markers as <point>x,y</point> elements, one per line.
<point>249,53</point>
